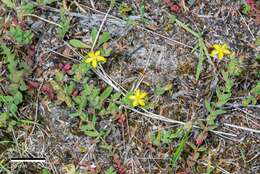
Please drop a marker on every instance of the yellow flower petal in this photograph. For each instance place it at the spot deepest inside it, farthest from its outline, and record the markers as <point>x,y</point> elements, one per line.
<point>143,95</point>
<point>224,46</point>
<point>94,63</point>
<point>220,55</point>
<point>214,53</point>
<point>135,103</point>
<point>217,46</point>
<point>97,53</point>
<point>132,97</point>
<point>137,92</point>
<point>91,54</point>
<point>141,102</point>
<point>101,59</point>
<point>88,60</point>
<point>226,51</point>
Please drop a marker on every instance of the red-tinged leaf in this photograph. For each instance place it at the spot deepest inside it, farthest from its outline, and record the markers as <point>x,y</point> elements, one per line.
<point>200,139</point>
<point>48,90</point>
<point>120,168</point>
<point>168,2</point>
<point>175,8</point>
<point>120,118</point>
<point>32,85</point>
<point>75,93</point>
<point>30,54</point>
<point>66,67</point>
<point>92,170</point>
<point>16,22</point>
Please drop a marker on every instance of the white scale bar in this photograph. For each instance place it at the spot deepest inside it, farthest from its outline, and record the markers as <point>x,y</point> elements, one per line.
<point>29,160</point>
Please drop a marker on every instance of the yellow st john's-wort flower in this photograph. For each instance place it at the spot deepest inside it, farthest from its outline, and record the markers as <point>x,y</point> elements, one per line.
<point>138,98</point>
<point>220,50</point>
<point>94,58</point>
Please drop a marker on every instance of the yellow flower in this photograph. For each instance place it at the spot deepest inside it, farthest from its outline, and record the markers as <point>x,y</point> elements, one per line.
<point>220,50</point>
<point>94,57</point>
<point>138,98</point>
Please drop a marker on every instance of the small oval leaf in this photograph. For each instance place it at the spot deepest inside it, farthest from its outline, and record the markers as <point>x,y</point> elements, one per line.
<point>78,44</point>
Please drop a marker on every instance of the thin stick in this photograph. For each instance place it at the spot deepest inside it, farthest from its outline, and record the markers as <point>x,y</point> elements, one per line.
<point>246,25</point>
<point>37,107</point>
<point>43,19</point>
<point>242,128</point>
<point>100,28</point>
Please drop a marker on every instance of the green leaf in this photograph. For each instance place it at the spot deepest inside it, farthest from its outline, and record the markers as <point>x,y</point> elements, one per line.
<point>202,149</point>
<point>87,127</point>
<point>78,44</point>
<point>46,2</point>
<point>20,36</point>
<point>18,98</point>
<point>193,146</point>
<point>246,9</point>
<point>12,108</point>
<point>45,171</point>
<point>3,119</point>
<point>61,94</point>
<point>179,150</point>
<point>257,41</point>
<point>93,34</point>
<point>172,19</point>
<point>103,38</point>
<point>91,133</point>
<point>110,170</point>
<point>218,112</point>
<point>64,25</point>
<point>201,60</point>
<point>9,3</point>
<point>26,8</point>
<point>106,93</point>
<point>207,104</point>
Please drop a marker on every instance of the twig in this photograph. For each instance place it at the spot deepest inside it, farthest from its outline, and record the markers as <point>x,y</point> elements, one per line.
<point>246,24</point>
<point>37,107</point>
<point>43,19</point>
<point>242,128</point>
<point>165,119</point>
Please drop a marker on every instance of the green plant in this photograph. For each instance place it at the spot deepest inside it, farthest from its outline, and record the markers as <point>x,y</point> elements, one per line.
<point>160,90</point>
<point>202,49</point>
<point>45,171</point>
<point>64,25</point>
<point>90,130</point>
<point>254,95</point>
<point>246,9</point>
<point>179,149</point>
<point>78,44</point>
<point>124,9</point>
<point>223,92</point>
<point>223,96</point>
<point>25,8</point>
<point>9,3</point>
<point>20,36</point>
<point>46,2</point>
<point>89,103</point>
<point>10,99</point>
<point>110,170</point>
<point>101,40</point>
<point>234,66</point>
<point>166,137</point>
<point>144,20</point>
